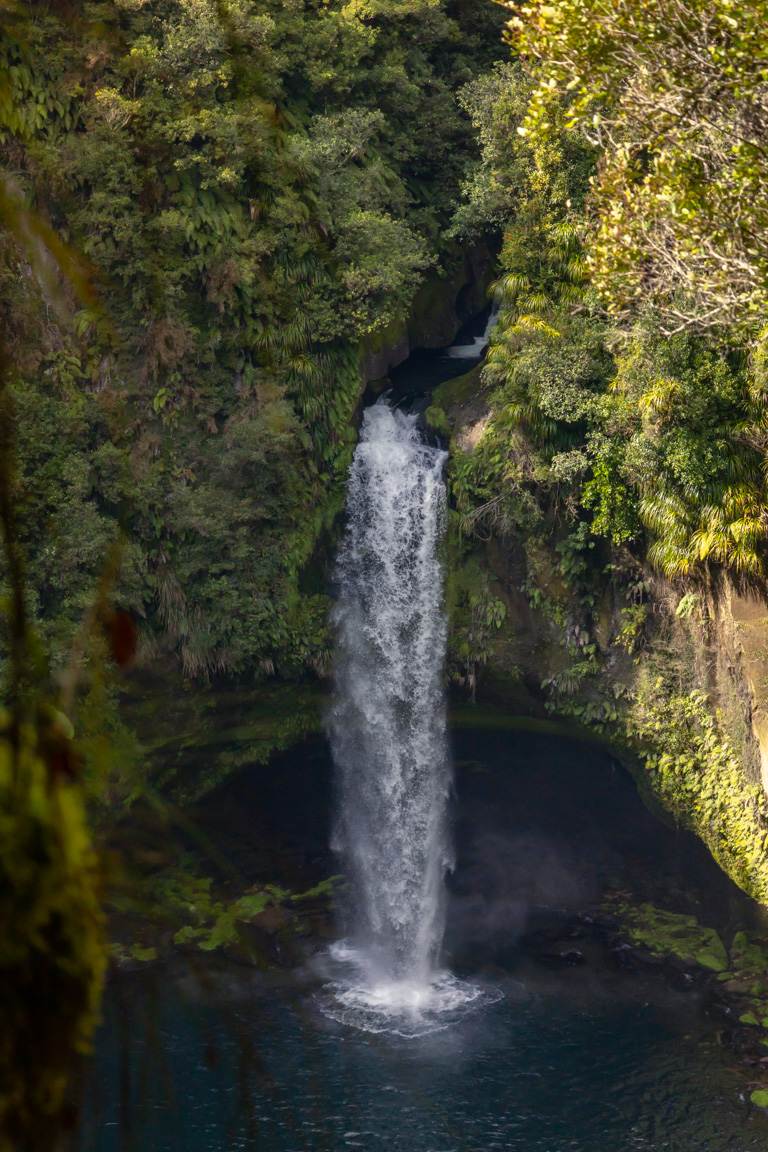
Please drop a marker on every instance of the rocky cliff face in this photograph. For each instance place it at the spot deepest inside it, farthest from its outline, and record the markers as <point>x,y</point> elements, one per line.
<point>740,625</point>
<point>443,303</point>
<point>676,675</point>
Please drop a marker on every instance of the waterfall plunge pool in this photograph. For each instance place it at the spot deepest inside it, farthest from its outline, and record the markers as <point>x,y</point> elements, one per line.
<point>586,1056</point>
<point>577,1046</point>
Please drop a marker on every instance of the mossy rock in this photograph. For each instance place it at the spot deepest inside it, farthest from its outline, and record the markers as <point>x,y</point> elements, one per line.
<point>437,421</point>
<point>713,959</point>
<point>142,954</point>
<point>749,957</point>
<point>131,954</point>
<point>454,393</point>
<point>672,934</point>
<point>186,908</point>
<point>322,891</point>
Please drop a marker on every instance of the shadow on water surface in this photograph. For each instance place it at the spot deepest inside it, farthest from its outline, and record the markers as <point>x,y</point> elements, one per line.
<point>586,1056</point>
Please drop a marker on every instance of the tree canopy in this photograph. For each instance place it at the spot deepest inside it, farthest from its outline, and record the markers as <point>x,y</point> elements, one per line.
<point>674,98</point>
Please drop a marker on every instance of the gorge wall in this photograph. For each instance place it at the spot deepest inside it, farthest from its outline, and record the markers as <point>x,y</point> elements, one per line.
<point>675,674</point>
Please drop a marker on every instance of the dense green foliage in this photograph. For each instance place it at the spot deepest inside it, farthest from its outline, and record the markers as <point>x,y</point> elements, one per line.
<point>697,775</point>
<point>621,431</point>
<point>207,207</point>
<point>674,96</point>
<point>654,439</point>
<point>256,187</point>
<point>53,951</point>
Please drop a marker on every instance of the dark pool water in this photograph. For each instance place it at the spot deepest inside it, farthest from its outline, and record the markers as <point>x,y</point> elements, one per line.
<point>544,1072</point>
<point>590,1058</point>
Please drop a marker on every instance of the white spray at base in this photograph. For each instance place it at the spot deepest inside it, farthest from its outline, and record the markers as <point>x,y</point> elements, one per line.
<point>388,736</point>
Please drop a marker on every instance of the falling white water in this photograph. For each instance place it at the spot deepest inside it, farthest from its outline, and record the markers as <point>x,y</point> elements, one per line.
<point>388,727</point>
<point>388,734</point>
<point>479,344</point>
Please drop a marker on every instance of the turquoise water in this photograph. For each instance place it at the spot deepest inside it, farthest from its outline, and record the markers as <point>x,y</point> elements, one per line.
<point>540,1073</point>
<point>589,1057</point>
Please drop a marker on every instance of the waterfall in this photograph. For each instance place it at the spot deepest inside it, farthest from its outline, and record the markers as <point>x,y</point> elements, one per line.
<point>388,732</point>
<point>479,344</point>
<point>388,726</point>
